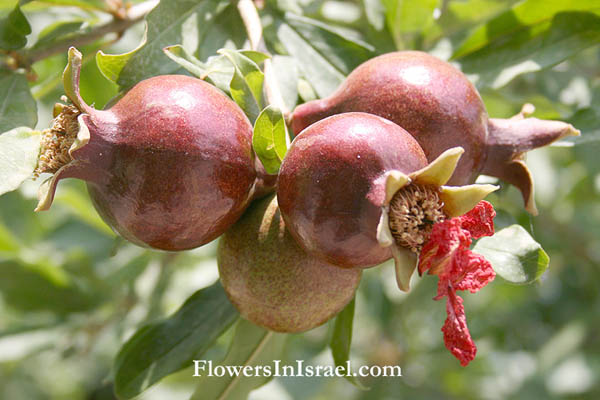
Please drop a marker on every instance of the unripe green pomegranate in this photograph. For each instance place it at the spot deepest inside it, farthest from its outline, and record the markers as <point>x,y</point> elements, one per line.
<point>272,281</point>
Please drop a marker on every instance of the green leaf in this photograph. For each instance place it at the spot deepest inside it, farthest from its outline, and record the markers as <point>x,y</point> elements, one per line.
<point>269,139</point>
<point>84,4</point>
<point>286,74</point>
<point>42,287</point>
<point>458,18</point>
<point>323,76</point>
<point>170,23</point>
<point>57,31</point>
<point>519,17</point>
<point>111,65</point>
<point>587,120</point>
<point>246,85</point>
<point>340,48</point>
<point>217,70</point>
<point>182,57</point>
<point>17,105</point>
<point>341,341</point>
<point>14,27</point>
<point>532,48</point>
<point>251,346</point>
<point>19,151</point>
<point>375,13</point>
<point>409,16</point>
<point>8,242</point>
<point>165,347</point>
<point>514,255</point>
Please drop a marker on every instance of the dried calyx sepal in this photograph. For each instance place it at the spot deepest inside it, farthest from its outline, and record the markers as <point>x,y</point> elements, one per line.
<point>58,139</point>
<point>416,202</point>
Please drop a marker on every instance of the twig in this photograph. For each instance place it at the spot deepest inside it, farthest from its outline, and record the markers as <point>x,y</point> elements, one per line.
<point>253,26</point>
<point>118,25</point>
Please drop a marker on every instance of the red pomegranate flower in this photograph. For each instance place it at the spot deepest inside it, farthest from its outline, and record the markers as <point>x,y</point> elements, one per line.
<point>447,255</point>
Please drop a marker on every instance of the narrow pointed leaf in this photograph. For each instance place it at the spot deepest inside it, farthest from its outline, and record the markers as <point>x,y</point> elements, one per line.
<point>165,347</point>
<point>58,31</point>
<point>251,346</point>
<point>85,4</point>
<point>14,28</point>
<point>217,69</point>
<point>182,57</point>
<point>338,47</point>
<point>323,76</point>
<point>532,48</point>
<point>522,15</point>
<point>341,341</point>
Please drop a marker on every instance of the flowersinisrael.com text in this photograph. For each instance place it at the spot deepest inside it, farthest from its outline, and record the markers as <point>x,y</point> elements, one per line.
<point>300,369</point>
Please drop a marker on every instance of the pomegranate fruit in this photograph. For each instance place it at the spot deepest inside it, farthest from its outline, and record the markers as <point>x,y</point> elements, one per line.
<point>272,281</point>
<point>355,189</point>
<point>169,166</point>
<point>438,105</point>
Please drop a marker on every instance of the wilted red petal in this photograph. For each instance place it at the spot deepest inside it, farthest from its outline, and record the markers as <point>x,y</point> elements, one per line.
<point>446,237</point>
<point>480,220</point>
<point>427,256</point>
<point>456,334</point>
<point>477,271</point>
<point>447,255</point>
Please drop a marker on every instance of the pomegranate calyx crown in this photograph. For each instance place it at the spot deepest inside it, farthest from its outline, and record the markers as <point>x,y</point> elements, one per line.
<point>68,134</point>
<point>417,201</point>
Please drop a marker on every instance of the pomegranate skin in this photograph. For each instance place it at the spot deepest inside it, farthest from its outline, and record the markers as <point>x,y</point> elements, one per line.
<point>169,166</point>
<point>272,281</point>
<point>179,165</point>
<point>331,185</point>
<point>428,97</point>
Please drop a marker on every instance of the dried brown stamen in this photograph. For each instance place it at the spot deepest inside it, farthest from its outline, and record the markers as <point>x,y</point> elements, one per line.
<point>57,140</point>
<point>414,210</point>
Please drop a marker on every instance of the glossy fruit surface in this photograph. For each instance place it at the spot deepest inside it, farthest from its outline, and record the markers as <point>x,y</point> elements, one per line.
<point>332,185</point>
<point>169,166</point>
<point>426,96</point>
<point>441,108</point>
<point>272,281</point>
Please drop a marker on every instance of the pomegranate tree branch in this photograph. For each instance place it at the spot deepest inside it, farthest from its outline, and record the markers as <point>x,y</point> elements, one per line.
<point>118,25</point>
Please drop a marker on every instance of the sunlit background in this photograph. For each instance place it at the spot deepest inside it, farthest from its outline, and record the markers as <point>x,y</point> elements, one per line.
<point>71,293</point>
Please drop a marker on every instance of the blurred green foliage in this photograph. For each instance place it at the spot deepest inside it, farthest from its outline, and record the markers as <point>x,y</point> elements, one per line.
<point>71,292</point>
